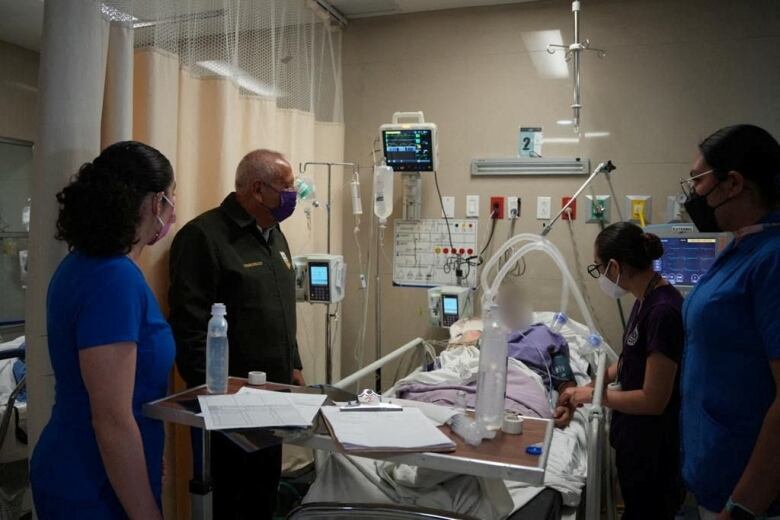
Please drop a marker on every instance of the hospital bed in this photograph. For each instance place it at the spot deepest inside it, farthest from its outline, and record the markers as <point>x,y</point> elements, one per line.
<point>495,479</point>
<point>15,499</point>
<point>575,460</point>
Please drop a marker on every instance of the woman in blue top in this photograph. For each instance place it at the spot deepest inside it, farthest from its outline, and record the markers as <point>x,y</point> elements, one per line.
<point>730,418</point>
<point>643,390</point>
<point>110,347</point>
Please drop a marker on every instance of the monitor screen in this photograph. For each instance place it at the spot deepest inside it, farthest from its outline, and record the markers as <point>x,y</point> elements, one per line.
<point>450,305</point>
<point>685,260</point>
<point>409,150</point>
<point>318,275</point>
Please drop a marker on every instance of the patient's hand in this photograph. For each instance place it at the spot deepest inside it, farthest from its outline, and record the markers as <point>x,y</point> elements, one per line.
<point>562,416</point>
<point>576,396</point>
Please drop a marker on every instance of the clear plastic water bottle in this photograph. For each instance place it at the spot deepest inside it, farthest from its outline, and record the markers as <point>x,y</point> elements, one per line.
<point>491,379</point>
<point>217,351</point>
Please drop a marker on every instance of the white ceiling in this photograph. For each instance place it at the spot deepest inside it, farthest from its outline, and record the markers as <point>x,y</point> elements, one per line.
<point>365,8</point>
<point>21,20</point>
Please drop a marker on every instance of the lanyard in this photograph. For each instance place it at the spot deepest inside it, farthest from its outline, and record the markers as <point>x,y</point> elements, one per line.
<point>633,323</point>
<point>755,228</point>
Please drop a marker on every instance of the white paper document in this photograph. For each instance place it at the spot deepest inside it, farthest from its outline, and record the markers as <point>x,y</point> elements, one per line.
<point>405,430</point>
<point>255,409</point>
<point>307,404</point>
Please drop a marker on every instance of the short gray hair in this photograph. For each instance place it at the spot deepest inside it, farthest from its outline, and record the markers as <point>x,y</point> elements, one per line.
<point>263,165</point>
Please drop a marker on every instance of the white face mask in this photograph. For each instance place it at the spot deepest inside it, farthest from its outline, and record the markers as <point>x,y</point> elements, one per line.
<point>610,288</point>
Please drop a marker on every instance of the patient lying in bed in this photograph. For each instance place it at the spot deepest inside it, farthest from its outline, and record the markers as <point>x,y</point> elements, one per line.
<point>532,383</point>
<point>355,479</point>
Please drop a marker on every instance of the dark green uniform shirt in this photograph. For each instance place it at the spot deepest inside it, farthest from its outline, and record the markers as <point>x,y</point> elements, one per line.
<point>221,256</point>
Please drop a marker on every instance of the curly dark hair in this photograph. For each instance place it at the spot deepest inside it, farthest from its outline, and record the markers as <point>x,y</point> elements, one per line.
<point>100,207</point>
<point>628,245</point>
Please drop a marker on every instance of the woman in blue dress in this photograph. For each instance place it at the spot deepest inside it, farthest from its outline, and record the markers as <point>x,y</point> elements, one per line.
<point>110,347</point>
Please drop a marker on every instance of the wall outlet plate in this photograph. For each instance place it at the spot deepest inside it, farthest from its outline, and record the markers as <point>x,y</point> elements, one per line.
<point>513,208</point>
<point>639,209</point>
<point>572,213</point>
<point>497,207</point>
<point>543,208</point>
<point>598,209</point>
<point>449,207</point>
<point>472,206</point>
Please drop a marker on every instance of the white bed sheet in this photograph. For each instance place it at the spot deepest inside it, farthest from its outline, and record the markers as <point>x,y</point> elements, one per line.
<point>12,449</point>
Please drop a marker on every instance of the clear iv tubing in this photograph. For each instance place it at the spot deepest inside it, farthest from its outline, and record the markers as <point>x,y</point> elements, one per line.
<point>537,243</point>
<point>548,248</point>
<point>540,243</point>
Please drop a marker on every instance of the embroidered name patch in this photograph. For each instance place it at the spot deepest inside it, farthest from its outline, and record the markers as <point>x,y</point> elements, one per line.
<point>253,264</point>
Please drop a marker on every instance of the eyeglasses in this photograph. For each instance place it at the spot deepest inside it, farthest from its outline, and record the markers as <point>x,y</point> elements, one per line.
<point>688,185</point>
<point>593,270</point>
<point>287,188</point>
<point>169,201</point>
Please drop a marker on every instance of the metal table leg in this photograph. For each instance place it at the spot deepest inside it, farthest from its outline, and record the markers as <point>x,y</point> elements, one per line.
<point>200,486</point>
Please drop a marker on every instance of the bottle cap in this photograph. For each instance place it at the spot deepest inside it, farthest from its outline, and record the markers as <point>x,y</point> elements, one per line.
<point>534,449</point>
<point>218,309</point>
<point>257,378</point>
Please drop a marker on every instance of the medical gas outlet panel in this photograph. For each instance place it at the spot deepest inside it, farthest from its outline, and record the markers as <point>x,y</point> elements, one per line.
<point>424,255</point>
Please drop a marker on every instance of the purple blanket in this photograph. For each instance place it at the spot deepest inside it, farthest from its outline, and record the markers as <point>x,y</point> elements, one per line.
<point>533,346</point>
<point>523,394</point>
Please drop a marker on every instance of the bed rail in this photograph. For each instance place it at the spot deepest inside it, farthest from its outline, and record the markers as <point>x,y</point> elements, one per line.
<point>379,363</point>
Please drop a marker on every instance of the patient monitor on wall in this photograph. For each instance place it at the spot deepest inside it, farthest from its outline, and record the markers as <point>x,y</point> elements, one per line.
<point>410,147</point>
<point>448,304</point>
<point>319,278</point>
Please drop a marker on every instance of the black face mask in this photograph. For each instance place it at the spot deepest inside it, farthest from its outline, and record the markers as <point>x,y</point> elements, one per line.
<point>701,213</point>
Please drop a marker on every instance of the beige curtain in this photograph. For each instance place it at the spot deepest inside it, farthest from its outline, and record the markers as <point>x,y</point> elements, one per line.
<point>204,125</point>
<point>83,102</point>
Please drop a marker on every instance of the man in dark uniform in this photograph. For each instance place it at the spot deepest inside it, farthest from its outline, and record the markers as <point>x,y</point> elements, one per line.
<point>236,254</point>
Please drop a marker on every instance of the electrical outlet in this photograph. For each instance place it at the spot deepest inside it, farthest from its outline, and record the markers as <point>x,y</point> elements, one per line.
<point>543,208</point>
<point>472,206</point>
<point>497,207</point>
<point>449,207</point>
<point>571,212</point>
<point>513,207</point>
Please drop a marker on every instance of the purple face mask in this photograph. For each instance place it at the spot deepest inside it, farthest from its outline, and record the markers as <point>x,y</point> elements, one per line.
<point>287,201</point>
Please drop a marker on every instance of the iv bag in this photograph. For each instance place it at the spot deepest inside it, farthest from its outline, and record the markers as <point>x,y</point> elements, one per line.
<point>383,191</point>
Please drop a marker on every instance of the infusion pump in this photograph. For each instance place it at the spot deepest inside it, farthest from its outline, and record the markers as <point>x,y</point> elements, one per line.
<point>319,278</point>
<point>448,304</point>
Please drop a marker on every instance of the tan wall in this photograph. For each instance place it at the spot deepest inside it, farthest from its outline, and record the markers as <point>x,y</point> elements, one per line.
<point>674,72</point>
<point>18,92</point>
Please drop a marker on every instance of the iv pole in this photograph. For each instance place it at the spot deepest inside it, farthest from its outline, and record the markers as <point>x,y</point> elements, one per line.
<point>605,167</point>
<point>328,315</point>
<point>572,53</point>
